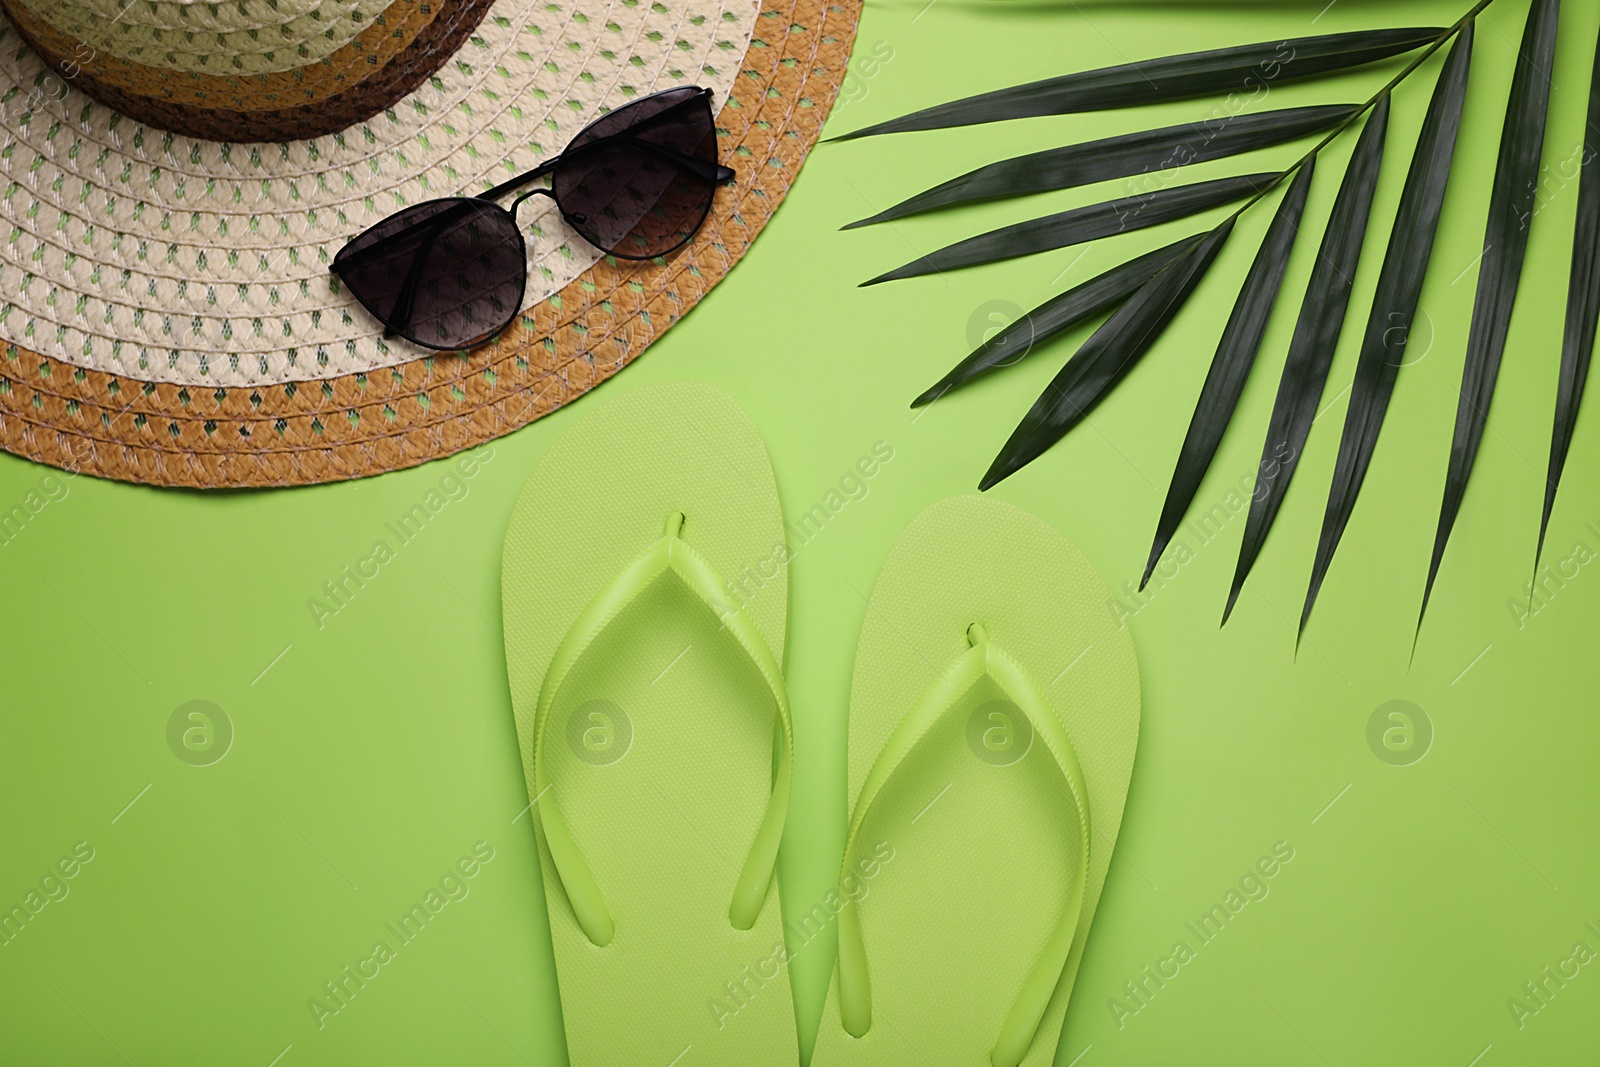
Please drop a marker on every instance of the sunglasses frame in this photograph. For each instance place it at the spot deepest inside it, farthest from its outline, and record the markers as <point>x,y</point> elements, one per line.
<point>715,173</point>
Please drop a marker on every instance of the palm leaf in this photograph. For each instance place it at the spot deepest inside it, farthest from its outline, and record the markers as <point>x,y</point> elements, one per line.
<point>1155,81</point>
<point>1153,289</point>
<point>1241,341</point>
<point>1316,337</point>
<point>1505,248</point>
<point>1394,305</point>
<point>1106,357</point>
<point>1059,313</point>
<point>1583,305</point>
<point>1146,152</point>
<point>1084,224</point>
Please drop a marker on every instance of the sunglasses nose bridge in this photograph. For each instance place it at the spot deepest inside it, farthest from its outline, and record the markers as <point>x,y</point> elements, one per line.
<point>537,191</point>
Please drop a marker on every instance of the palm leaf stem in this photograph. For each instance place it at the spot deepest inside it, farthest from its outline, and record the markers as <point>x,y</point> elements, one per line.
<point>1355,116</point>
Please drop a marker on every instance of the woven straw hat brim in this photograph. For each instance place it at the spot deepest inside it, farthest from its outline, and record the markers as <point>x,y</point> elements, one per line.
<point>347,425</point>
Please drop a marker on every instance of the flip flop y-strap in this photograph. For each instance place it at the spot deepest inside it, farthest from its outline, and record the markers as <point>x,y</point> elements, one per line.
<point>672,555</point>
<point>982,658</point>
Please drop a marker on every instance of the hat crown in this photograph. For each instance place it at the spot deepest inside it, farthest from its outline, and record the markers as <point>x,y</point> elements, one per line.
<point>246,70</point>
<point>232,37</point>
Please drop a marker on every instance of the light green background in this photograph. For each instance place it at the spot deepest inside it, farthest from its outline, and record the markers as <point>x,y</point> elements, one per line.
<point>373,751</point>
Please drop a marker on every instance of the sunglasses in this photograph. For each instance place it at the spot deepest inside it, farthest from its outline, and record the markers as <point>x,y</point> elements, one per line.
<point>450,273</point>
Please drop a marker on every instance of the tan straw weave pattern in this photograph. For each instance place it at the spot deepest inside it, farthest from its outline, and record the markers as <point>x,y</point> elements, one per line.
<point>400,50</point>
<point>123,425</point>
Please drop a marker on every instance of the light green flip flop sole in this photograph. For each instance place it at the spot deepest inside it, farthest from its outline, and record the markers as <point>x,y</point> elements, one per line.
<point>994,700</point>
<point>654,728</point>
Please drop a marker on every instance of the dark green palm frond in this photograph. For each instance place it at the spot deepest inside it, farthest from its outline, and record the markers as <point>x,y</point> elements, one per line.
<point>1145,294</point>
<point>1154,81</point>
<point>1146,152</point>
<point>1230,367</point>
<point>1394,306</point>
<point>1583,306</point>
<point>1505,247</point>
<point>1316,337</point>
<point>1010,345</point>
<point>1084,224</point>
<point>1106,357</point>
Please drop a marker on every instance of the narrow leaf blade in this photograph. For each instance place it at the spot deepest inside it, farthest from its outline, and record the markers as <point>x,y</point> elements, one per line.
<point>1316,338</point>
<point>1394,305</point>
<point>1236,354</point>
<point>1152,81</point>
<point>1084,224</point>
<point>1583,306</point>
<point>1012,344</point>
<point>1106,358</point>
<point>1151,152</point>
<point>1511,209</point>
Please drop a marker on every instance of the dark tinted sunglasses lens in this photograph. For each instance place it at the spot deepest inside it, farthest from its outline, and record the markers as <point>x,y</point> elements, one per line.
<point>446,274</point>
<point>641,112</point>
<point>632,204</point>
<point>632,200</point>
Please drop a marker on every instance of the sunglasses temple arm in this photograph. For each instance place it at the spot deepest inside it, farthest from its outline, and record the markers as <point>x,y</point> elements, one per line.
<point>434,223</point>
<point>400,314</point>
<point>711,172</point>
<point>444,218</point>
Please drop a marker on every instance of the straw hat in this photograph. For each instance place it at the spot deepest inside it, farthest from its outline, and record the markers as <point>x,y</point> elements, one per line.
<point>178,175</point>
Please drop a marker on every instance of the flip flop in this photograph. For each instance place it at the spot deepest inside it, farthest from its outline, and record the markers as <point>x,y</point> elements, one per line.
<point>994,713</point>
<point>654,728</point>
